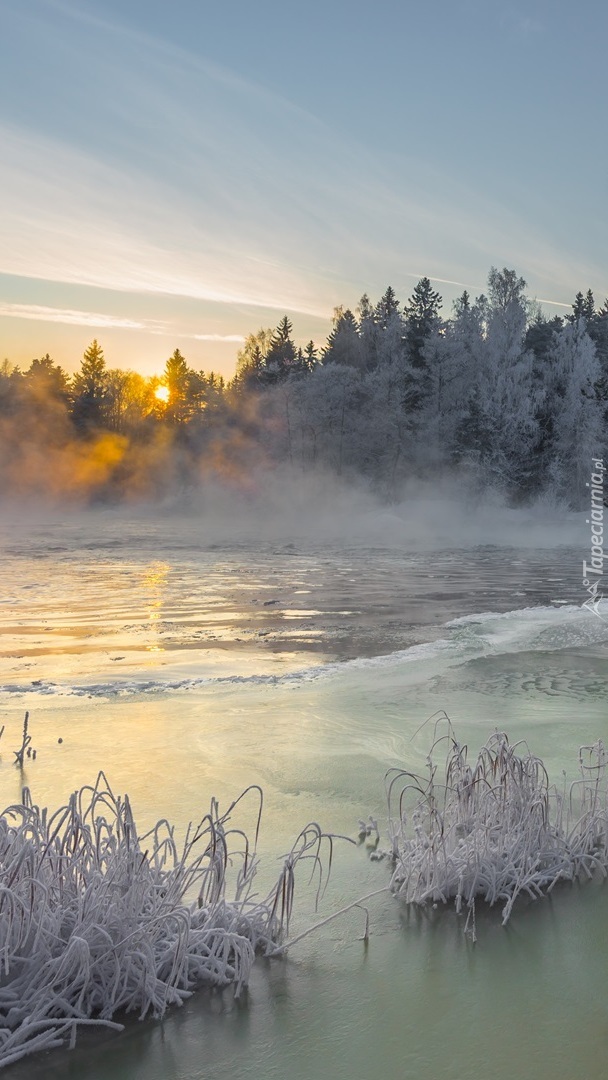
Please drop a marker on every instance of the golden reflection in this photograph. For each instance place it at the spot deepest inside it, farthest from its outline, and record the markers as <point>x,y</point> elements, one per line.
<point>155,580</point>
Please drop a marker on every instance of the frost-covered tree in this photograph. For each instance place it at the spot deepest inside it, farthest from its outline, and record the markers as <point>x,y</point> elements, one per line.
<point>325,418</point>
<point>422,318</point>
<point>421,322</point>
<point>282,357</point>
<point>386,450</point>
<point>506,289</point>
<point>583,308</point>
<point>386,308</point>
<point>369,332</point>
<point>507,314</point>
<point>455,358</point>
<point>597,327</point>
<point>578,433</point>
<point>498,430</point>
<point>381,330</point>
<point>344,344</point>
<point>390,347</point>
<point>539,336</point>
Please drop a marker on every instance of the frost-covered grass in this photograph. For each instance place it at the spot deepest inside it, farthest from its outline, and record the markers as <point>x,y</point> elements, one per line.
<point>96,921</point>
<point>494,829</point>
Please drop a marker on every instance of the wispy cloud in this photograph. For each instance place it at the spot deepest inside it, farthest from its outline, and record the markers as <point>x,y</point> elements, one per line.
<point>40,313</point>
<point>186,180</point>
<point>83,221</point>
<point>218,337</point>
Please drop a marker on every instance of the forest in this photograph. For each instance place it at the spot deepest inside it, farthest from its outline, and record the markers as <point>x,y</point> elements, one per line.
<point>495,395</point>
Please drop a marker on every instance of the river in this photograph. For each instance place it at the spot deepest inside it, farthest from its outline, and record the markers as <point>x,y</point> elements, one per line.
<point>186,665</point>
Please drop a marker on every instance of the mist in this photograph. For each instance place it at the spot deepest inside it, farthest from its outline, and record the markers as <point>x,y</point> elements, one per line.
<point>406,426</point>
<point>278,507</point>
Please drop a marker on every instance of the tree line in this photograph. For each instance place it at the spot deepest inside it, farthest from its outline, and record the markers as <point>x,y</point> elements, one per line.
<point>496,393</point>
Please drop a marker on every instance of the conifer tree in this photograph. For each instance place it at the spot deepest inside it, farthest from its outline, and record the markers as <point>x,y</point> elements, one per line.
<point>422,320</point>
<point>90,389</point>
<point>281,358</point>
<point>422,316</point>
<point>45,379</point>
<point>311,355</point>
<point>583,307</point>
<point>344,344</point>
<point>177,379</point>
<point>386,308</point>
<point>251,359</point>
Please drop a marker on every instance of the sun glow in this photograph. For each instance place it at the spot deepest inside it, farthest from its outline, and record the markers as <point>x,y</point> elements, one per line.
<point>162,393</point>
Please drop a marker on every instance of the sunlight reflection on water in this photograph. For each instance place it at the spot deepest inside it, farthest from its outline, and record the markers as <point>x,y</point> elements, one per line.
<point>419,1000</point>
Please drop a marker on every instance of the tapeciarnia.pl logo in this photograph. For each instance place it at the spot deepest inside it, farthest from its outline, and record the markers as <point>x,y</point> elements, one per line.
<point>593,571</point>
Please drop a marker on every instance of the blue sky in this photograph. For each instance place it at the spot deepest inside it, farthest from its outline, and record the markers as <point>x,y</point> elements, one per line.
<point>177,175</point>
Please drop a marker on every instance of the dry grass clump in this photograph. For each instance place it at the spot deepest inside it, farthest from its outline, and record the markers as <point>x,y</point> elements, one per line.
<point>96,921</point>
<point>494,829</point>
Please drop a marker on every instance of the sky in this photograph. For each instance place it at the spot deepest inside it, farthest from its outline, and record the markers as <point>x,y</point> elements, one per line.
<point>180,175</point>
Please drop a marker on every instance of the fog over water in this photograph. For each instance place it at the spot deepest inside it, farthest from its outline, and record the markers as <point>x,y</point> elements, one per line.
<point>301,642</point>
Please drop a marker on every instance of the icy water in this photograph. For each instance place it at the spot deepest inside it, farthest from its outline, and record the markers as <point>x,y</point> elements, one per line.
<point>186,667</point>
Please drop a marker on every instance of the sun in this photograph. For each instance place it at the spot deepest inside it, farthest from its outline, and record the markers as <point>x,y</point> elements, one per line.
<point>162,393</point>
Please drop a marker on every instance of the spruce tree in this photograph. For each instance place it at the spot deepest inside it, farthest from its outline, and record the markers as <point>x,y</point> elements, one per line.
<point>422,320</point>
<point>344,344</point>
<point>422,315</point>
<point>177,379</point>
<point>90,389</point>
<point>281,358</point>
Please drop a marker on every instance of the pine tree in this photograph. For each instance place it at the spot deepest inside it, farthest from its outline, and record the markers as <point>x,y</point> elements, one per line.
<point>462,305</point>
<point>386,308</point>
<point>177,379</point>
<point>311,355</point>
<point>344,344</point>
<point>281,358</point>
<point>583,307</point>
<point>598,331</point>
<point>422,315</point>
<point>45,379</point>
<point>90,389</point>
<point>596,325</point>
<point>92,377</point>
<point>539,336</point>
<point>422,320</point>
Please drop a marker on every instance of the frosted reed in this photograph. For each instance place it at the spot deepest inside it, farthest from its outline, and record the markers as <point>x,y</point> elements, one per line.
<point>96,921</point>
<point>26,740</point>
<point>494,829</point>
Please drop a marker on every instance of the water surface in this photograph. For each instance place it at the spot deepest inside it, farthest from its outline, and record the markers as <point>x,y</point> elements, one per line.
<point>186,669</point>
